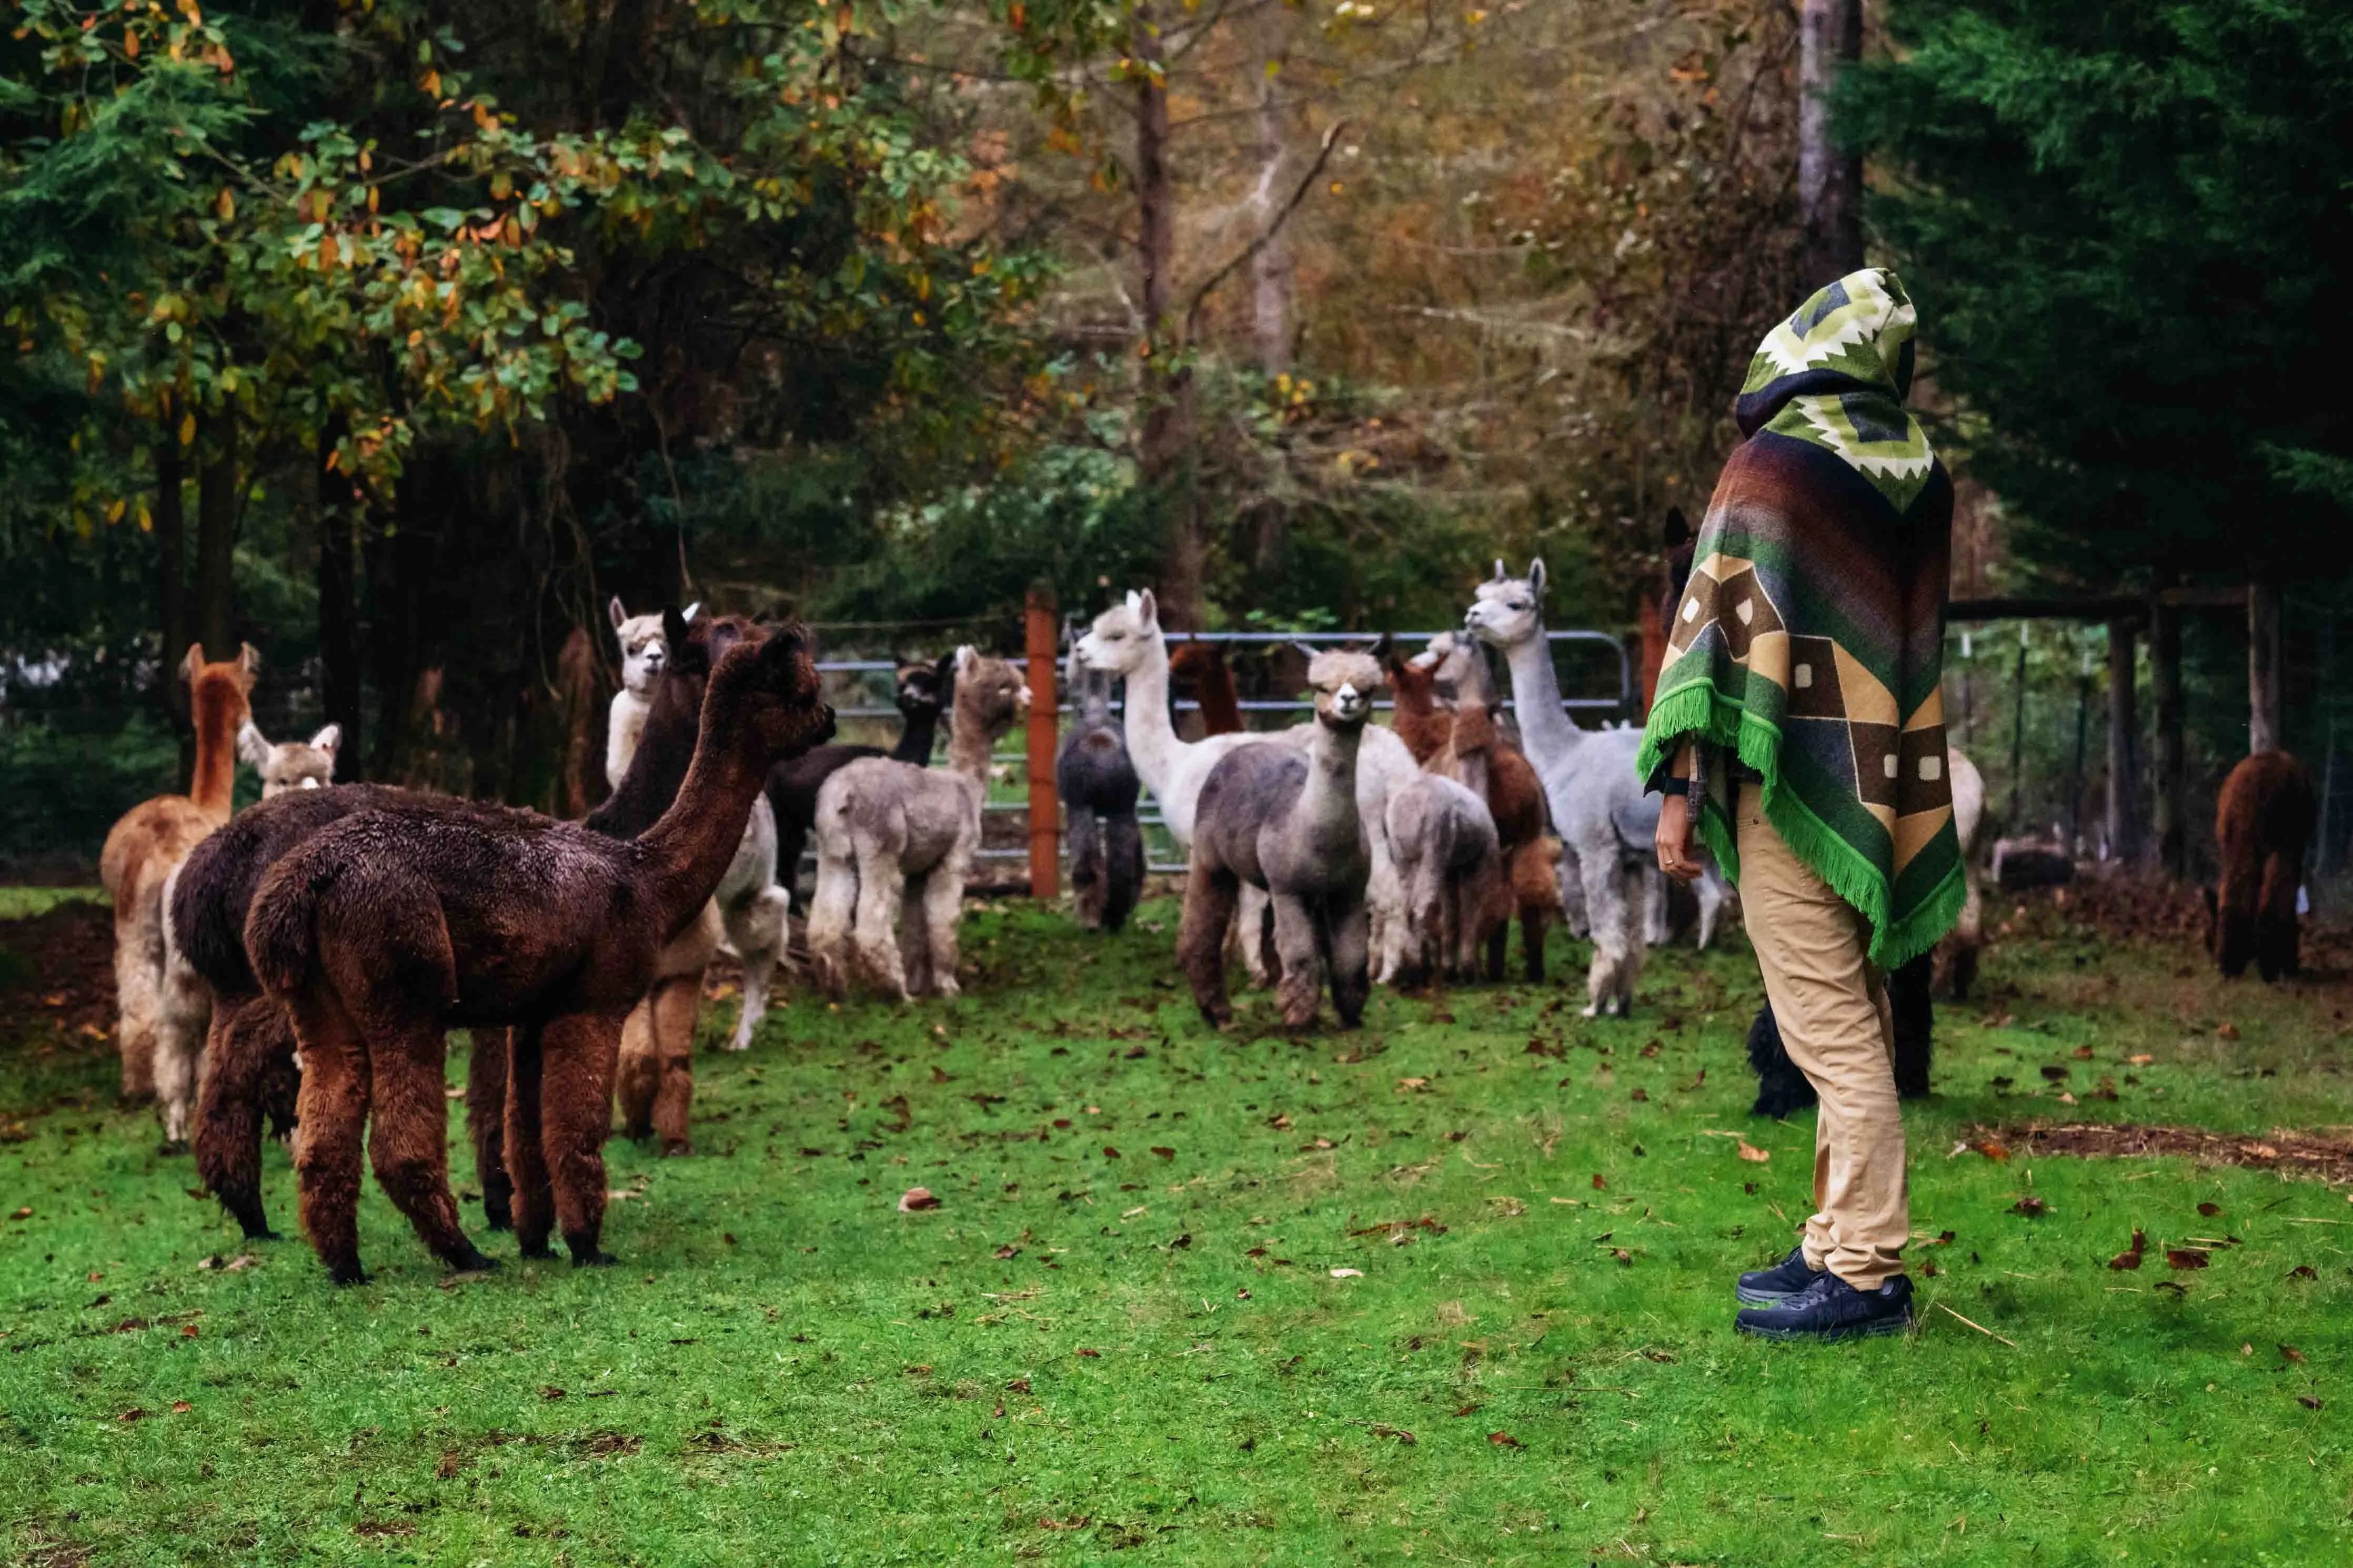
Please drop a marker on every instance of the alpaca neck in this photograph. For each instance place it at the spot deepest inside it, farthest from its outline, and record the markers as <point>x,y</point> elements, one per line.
<point>1418,722</point>
<point>1328,804</point>
<point>667,728</point>
<point>1221,706</point>
<point>213,785</point>
<point>1152,742</point>
<point>916,741</point>
<point>691,847</point>
<point>1544,729</point>
<point>969,744</point>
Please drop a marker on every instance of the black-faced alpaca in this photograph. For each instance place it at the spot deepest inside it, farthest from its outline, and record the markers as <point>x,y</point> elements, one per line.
<point>1282,820</point>
<point>895,838</point>
<point>382,931</point>
<point>2264,824</point>
<point>924,691</point>
<point>1452,868</point>
<point>1098,786</point>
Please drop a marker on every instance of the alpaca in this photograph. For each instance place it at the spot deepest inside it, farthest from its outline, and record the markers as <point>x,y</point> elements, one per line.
<point>752,908</point>
<point>1097,784</point>
<point>1452,868</point>
<point>2263,824</point>
<point>156,1030</point>
<point>382,931</point>
<point>1205,666</point>
<point>893,837</point>
<point>645,648</point>
<point>924,691</point>
<point>1955,961</point>
<point>1126,640</point>
<point>1288,822</point>
<point>1606,823</point>
<point>290,764</point>
<point>1464,745</point>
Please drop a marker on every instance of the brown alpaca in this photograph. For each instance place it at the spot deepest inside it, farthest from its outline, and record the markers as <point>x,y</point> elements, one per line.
<point>157,1032</point>
<point>2263,824</point>
<point>383,931</point>
<point>1464,744</point>
<point>1213,685</point>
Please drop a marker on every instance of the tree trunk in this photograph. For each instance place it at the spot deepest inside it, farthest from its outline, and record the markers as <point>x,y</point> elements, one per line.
<point>1271,269</point>
<point>217,509</point>
<point>2124,737</point>
<point>1166,443</point>
<point>2264,733</point>
<point>339,629</point>
<point>1830,179</point>
<point>172,568</point>
<point>2165,680</point>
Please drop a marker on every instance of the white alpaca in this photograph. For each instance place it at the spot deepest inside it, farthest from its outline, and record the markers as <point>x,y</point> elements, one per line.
<point>1607,825</point>
<point>1125,640</point>
<point>752,906</point>
<point>290,765</point>
<point>893,838</point>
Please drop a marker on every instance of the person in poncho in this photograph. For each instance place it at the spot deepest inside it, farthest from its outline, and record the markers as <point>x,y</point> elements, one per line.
<point>1800,726</point>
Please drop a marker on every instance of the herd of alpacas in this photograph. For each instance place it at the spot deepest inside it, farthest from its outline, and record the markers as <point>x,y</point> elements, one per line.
<point>298,965</point>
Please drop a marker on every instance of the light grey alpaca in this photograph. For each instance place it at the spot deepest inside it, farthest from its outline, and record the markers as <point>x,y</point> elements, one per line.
<point>1284,821</point>
<point>1452,867</point>
<point>752,907</point>
<point>893,837</point>
<point>1607,825</point>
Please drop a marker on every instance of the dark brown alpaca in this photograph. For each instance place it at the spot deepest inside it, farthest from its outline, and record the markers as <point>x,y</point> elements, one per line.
<point>1465,746</point>
<point>382,931</point>
<point>2263,826</point>
<point>1213,685</point>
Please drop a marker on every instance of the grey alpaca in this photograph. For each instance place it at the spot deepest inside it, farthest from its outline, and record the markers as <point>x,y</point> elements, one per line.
<point>1098,786</point>
<point>1606,822</point>
<point>1284,821</point>
<point>1451,864</point>
<point>891,837</point>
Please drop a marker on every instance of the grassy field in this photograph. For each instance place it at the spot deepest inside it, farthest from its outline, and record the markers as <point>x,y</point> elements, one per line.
<point>1455,1287</point>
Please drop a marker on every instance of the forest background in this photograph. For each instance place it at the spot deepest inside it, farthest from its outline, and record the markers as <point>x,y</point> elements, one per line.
<point>396,337</point>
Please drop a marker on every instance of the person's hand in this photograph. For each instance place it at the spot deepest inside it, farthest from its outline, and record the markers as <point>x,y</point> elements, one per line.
<point>1676,858</point>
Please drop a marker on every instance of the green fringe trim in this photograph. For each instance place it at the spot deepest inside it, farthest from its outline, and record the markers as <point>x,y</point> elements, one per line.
<point>1697,709</point>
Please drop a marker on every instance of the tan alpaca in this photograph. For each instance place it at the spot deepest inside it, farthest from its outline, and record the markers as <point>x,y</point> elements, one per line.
<point>290,765</point>
<point>894,837</point>
<point>142,852</point>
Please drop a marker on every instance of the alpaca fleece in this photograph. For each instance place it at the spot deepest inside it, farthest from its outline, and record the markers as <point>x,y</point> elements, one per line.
<point>382,931</point>
<point>1455,891</point>
<point>924,691</point>
<point>1098,788</point>
<point>2264,824</point>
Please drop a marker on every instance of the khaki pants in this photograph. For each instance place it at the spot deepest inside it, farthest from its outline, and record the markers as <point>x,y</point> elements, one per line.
<point>1831,1004</point>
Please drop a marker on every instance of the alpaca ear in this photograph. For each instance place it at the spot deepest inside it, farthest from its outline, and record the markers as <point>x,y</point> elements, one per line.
<point>688,613</point>
<point>1678,530</point>
<point>194,664</point>
<point>1499,569</point>
<point>251,747</point>
<point>1135,601</point>
<point>249,659</point>
<point>1536,578</point>
<point>327,740</point>
<point>966,656</point>
<point>614,613</point>
<point>1147,608</point>
<point>674,631</point>
<point>1386,649</point>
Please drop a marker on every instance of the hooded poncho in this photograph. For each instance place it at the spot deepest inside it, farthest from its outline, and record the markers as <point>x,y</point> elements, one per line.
<point>1811,639</point>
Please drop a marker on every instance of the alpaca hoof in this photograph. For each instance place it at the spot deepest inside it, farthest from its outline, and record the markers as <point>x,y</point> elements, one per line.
<point>1216,1017</point>
<point>543,1253</point>
<point>592,1258</point>
<point>1591,1010</point>
<point>349,1273</point>
<point>261,1232</point>
<point>676,1148</point>
<point>473,1260</point>
<point>497,1218</point>
<point>738,1042</point>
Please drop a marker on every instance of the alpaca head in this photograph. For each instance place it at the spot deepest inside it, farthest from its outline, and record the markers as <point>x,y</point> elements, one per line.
<point>646,646</point>
<point>1410,678</point>
<point>990,695</point>
<point>1458,667</point>
<point>1195,659</point>
<point>290,765</point>
<point>1343,683</point>
<point>767,683</point>
<point>923,688</point>
<point>220,695</point>
<point>1509,610</point>
<point>1123,637</point>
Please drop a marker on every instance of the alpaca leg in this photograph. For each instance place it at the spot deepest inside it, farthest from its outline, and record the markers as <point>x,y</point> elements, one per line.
<point>1090,867</point>
<point>1655,907</point>
<point>334,1110</point>
<point>1349,940</point>
<point>1574,914</point>
<point>1250,925</point>
<point>917,953</point>
<point>1532,941</point>
<point>247,1036</point>
<point>831,912</point>
<point>1385,896</point>
<point>1709,889</point>
<point>1631,949</point>
<point>673,1007</point>
<point>943,910</point>
<point>409,1138</point>
<point>1297,940</point>
<point>1610,913</point>
<point>138,978</point>
<point>180,1024</point>
<point>486,1113</point>
<point>1915,1016</point>
<point>1498,949</point>
<point>534,1197</point>
<point>638,1081</point>
<point>1211,897</point>
<point>757,930</point>
<point>881,887</point>
<point>575,1087</point>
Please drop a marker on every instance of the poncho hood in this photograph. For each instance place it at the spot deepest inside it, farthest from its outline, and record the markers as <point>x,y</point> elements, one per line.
<point>1835,375</point>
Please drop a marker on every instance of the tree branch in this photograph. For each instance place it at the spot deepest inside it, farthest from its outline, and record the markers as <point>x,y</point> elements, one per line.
<point>1266,236</point>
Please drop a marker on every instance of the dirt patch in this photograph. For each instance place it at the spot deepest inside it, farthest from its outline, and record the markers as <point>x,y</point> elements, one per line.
<point>2315,1156</point>
<point>59,967</point>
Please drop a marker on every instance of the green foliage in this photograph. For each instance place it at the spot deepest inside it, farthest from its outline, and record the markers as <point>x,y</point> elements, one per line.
<point>2127,229</point>
<point>785,1369</point>
<point>62,785</point>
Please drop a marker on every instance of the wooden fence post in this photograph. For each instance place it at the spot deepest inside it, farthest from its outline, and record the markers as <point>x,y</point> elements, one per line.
<point>2165,678</point>
<point>1042,643</point>
<point>2124,736</point>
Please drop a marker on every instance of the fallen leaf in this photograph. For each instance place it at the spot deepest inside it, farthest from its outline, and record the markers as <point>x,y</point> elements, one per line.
<point>2227,1032</point>
<point>1347,1274</point>
<point>452,1461</point>
<point>1508,1208</point>
<point>1131,1214</point>
<point>181,1406</point>
<point>1624,1258</point>
<point>2290,1353</point>
<point>1280,1123</point>
<point>1598,1184</point>
<point>1110,1152</point>
<point>2184,1258</point>
<point>2307,1401</point>
<point>1641,1096</point>
<point>1381,1429</point>
<point>2210,1210</point>
<point>24,1213</point>
<point>2082,1053</point>
<point>2032,1206</point>
<point>2141,1060</point>
<point>1503,1440</point>
<point>133,1414</point>
<point>1017,1385</point>
<point>1090,1355</point>
<point>2131,1258</point>
<point>1242,1293</point>
<point>2054,1072</point>
<point>2302,1272</point>
<point>1412,1085</point>
<point>550,1393</point>
<point>1752,1153</point>
<point>916,1199</point>
<point>1165,1154</point>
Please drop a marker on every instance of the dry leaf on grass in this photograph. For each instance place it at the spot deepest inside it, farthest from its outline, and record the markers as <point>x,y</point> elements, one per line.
<point>2184,1258</point>
<point>916,1199</point>
<point>1347,1274</point>
<point>1504,1440</point>
<point>2130,1259</point>
<point>1752,1153</point>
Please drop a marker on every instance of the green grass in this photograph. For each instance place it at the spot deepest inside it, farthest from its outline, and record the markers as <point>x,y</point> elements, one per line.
<point>785,1370</point>
<point>22,903</point>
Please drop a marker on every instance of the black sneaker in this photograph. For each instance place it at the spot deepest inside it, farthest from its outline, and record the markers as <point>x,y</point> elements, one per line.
<point>1769,1287</point>
<point>1830,1309</point>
